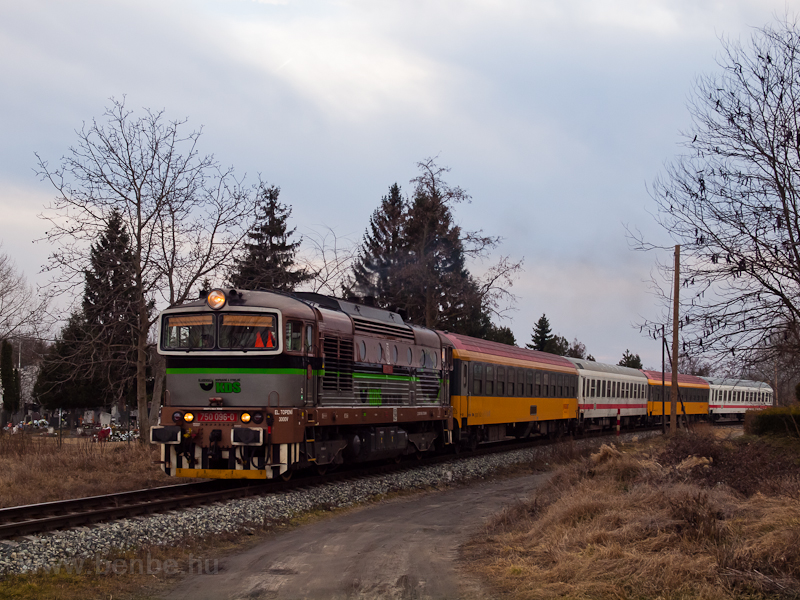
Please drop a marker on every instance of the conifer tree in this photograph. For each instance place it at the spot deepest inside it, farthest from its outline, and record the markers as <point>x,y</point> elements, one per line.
<point>630,360</point>
<point>439,291</point>
<point>110,315</point>
<point>93,363</point>
<point>542,335</point>
<point>63,380</point>
<point>413,260</point>
<point>382,255</point>
<point>269,257</point>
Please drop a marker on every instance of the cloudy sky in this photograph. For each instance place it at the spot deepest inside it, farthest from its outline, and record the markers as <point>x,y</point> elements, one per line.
<point>554,116</point>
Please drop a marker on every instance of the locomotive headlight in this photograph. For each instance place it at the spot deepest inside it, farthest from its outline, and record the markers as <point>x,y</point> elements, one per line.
<point>177,416</point>
<point>216,299</point>
<point>245,417</point>
<point>188,417</point>
<point>258,417</point>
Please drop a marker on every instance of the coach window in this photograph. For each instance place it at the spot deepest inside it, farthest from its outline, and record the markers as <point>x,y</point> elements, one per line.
<point>394,355</point>
<point>489,380</point>
<point>538,384</point>
<point>477,379</point>
<point>501,381</point>
<point>593,389</point>
<point>545,385</point>
<point>511,386</point>
<point>529,383</point>
<point>294,336</point>
<point>362,351</point>
<point>380,352</point>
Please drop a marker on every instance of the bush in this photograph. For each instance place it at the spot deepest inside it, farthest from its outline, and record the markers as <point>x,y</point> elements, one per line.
<point>784,420</point>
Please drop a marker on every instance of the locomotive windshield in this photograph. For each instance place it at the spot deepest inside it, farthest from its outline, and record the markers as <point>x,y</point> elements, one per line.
<point>220,331</point>
<point>248,331</point>
<point>185,332</point>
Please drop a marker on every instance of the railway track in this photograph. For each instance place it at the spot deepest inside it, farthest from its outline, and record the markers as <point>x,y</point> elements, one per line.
<point>49,516</point>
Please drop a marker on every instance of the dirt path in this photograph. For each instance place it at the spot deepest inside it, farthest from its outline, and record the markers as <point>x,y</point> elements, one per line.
<point>401,549</point>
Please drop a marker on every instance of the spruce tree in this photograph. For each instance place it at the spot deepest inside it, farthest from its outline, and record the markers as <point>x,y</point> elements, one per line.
<point>63,380</point>
<point>382,254</point>
<point>269,257</point>
<point>413,260</point>
<point>630,360</point>
<point>109,314</point>
<point>541,336</point>
<point>439,291</point>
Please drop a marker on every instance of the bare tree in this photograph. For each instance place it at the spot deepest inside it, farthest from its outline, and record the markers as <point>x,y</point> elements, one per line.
<point>329,257</point>
<point>20,308</point>
<point>184,213</point>
<point>731,202</point>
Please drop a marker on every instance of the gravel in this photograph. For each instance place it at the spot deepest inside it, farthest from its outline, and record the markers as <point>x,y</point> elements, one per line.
<point>61,550</point>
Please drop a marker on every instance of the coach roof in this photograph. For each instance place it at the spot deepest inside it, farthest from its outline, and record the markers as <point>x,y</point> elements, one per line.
<point>477,349</point>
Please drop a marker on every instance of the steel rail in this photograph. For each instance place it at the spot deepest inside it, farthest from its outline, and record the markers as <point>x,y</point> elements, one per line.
<point>49,516</point>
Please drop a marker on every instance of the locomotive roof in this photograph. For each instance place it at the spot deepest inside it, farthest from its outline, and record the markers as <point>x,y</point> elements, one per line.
<point>260,299</point>
<point>477,349</point>
<point>654,378</point>
<point>351,308</point>
<point>733,381</point>
<point>590,365</point>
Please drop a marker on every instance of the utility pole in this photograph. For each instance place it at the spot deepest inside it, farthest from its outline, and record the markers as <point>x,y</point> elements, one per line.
<point>663,383</point>
<point>673,415</point>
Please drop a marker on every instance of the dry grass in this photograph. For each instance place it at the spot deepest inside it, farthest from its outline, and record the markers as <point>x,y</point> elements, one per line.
<point>695,517</point>
<point>36,469</point>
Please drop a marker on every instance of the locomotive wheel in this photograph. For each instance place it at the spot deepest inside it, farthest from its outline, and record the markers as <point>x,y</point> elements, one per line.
<point>322,469</point>
<point>287,475</point>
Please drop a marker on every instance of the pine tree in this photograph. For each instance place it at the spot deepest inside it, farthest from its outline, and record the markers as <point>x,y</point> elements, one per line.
<point>440,292</point>
<point>541,335</point>
<point>7,379</point>
<point>93,363</point>
<point>63,380</point>
<point>269,258</point>
<point>109,315</point>
<point>630,360</point>
<point>382,255</point>
<point>412,260</point>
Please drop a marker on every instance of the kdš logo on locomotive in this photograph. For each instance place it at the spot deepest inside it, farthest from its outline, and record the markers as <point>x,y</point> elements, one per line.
<point>221,386</point>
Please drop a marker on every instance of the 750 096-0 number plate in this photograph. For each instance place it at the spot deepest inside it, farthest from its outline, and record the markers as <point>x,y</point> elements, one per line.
<point>215,416</point>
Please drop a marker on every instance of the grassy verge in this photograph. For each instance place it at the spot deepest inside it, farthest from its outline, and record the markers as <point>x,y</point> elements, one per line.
<point>36,469</point>
<point>693,517</point>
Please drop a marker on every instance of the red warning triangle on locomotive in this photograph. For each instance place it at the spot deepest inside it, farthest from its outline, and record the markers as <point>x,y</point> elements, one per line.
<point>270,341</point>
<point>259,341</point>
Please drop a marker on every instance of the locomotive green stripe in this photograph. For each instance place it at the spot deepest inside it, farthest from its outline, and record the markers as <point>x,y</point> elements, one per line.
<point>237,370</point>
<point>384,377</point>
<point>287,371</point>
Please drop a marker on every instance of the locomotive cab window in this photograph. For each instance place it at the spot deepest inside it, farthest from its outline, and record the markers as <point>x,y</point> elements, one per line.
<point>309,339</point>
<point>185,332</point>
<point>251,332</point>
<point>294,336</point>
